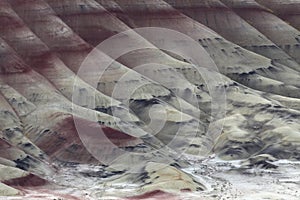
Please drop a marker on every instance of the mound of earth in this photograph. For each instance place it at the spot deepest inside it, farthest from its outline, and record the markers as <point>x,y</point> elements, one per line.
<point>91,107</point>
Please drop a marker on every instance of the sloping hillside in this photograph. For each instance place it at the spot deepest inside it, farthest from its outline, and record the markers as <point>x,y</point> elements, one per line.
<point>129,99</point>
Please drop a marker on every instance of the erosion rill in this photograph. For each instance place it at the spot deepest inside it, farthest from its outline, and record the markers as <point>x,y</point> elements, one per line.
<point>160,99</point>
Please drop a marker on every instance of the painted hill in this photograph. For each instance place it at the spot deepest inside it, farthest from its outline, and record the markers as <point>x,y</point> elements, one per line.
<point>86,92</point>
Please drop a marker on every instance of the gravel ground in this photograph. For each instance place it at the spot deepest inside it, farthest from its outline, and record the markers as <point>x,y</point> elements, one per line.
<point>223,179</point>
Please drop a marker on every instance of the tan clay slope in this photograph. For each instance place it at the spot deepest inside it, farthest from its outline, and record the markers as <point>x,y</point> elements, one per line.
<point>58,139</point>
<point>277,30</point>
<point>59,47</point>
<point>228,24</point>
<point>51,118</point>
<point>133,59</point>
<point>44,61</point>
<point>71,16</point>
<point>233,96</point>
<point>256,68</point>
<point>286,10</point>
<point>174,117</point>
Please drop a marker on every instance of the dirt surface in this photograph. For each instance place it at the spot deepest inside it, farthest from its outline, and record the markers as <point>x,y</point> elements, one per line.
<point>223,179</point>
